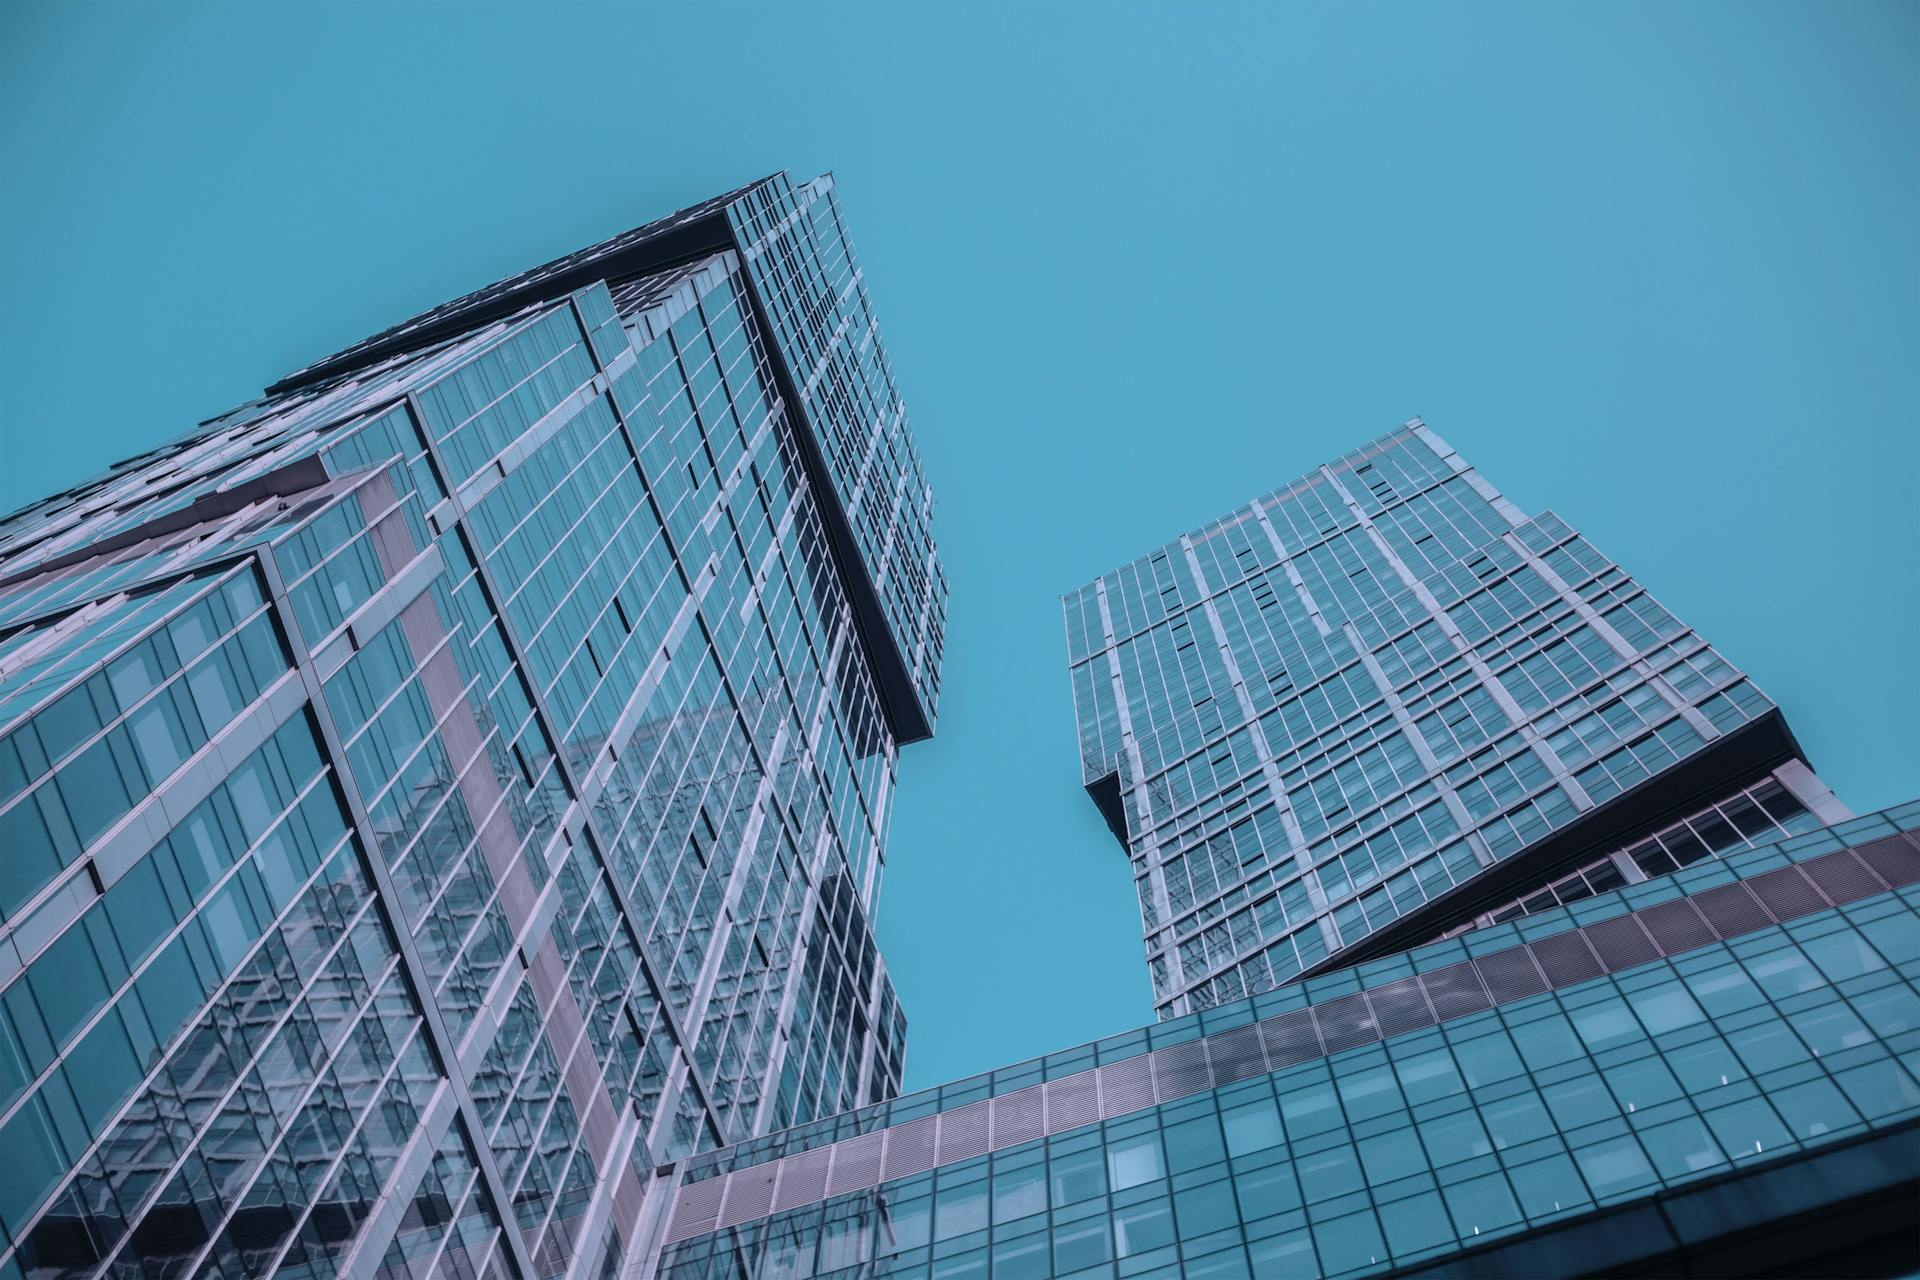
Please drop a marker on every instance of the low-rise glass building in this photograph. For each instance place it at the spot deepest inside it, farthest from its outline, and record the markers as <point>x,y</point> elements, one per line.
<point>1709,1073</point>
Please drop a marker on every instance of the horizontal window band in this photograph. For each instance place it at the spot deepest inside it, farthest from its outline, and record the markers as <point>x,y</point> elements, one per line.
<point>1334,1025</point>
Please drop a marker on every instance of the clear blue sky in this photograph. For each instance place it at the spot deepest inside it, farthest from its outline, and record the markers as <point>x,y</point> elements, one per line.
<point>1653,266</point>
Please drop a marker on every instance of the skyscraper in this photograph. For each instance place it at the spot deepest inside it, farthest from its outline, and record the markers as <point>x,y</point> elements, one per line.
<point>1497,924</point>
<point>444,790</point>
<point>443,806</point>
<point>1380,704</point>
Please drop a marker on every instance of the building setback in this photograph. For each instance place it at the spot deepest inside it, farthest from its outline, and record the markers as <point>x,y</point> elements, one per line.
<point>441,792</point>
<point>1497,926</point>
<point>1380,704</point>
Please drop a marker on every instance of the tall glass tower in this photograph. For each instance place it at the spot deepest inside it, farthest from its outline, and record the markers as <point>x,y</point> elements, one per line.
<point>1497,925</point>
<point>1381,704</point>
<point>443,792</point>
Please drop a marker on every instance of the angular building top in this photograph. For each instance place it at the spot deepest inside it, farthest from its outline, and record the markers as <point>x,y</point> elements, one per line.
<point>809,298</point>
<point>1382,703</point>
<point>440,792</point>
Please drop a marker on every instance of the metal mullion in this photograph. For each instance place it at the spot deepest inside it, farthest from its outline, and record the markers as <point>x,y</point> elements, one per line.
<point>310,1087</point>
<point>440,1039</point>
<point>484,573</point>
<point>467,850</point>
<point>484,580</point>
<point>606,1179</point>
<point>755,824</point>
<point>127,985</point>
<point>359,1126</point>
<point>768,426</point>
<point>443,644</point>
<point>574,470</point>
<point>178,1037</point>
<point>510,333</point>
<point>351,486</point>
<point>456,1210</point>
<point>279,1024</point>
<point>144,804</point>
<point>112,591</point>
<point>581,644</point>
<point>673,551</point>
<point>29,650</point>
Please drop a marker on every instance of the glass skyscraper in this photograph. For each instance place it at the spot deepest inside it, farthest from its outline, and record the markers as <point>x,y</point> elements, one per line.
<point>440,794</point>
<point>1381,704</point>
<point>443,808</point>
<point>1497,925</point>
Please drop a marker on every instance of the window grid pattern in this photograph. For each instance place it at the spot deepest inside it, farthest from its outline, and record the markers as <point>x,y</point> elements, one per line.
<point>803,267</point>
<point>1600,1080</point>
<point>71,770</point>
<point>1381,679</point>
<point>559,592</point>
<point>235,1060</point>
<point>1884,840</point>
<point>1751,817</point>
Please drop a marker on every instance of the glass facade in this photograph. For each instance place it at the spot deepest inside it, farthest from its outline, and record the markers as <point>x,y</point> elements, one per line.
<point>1381,703</point>
<point>1497,925</point>
<point>1748,1015</point>
<point>441,793</point>
<point>1745,820</point>
<point>443,807</point>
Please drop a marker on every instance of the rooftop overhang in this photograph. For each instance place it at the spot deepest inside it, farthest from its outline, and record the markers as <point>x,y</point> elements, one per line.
<point>671,247</point>
<point>1106,798</point>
